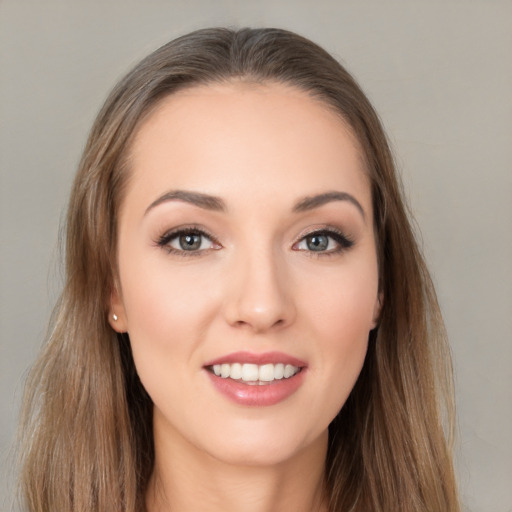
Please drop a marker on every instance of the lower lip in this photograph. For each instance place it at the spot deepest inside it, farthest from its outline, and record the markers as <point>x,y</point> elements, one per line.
<point>256,395</point>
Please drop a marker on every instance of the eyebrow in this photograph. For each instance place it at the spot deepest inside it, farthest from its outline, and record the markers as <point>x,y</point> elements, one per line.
<point>311,202</point>
<point>214,203</point>
<point>205,201</point>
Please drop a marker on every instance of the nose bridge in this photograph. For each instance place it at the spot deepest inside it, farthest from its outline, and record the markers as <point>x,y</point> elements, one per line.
<point>259,297</point>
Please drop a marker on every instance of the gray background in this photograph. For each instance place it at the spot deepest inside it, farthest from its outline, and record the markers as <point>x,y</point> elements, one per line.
<point>438,72</point>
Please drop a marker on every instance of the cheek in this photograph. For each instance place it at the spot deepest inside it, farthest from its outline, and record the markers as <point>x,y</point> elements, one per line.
<point>343,329</point>
<point>158,292</point>
<point>342,317</point>
<point>343,302</point>
<point>165,310</point>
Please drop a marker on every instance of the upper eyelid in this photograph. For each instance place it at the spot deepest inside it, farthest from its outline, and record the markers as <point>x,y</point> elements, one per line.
<point>165,241</point>
<point>335,233</point>
<point>327,229</point>
<point>188,229</point>
<point>172,233</point>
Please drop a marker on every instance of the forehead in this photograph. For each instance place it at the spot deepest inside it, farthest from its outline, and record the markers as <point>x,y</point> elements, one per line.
<point>272,138</point>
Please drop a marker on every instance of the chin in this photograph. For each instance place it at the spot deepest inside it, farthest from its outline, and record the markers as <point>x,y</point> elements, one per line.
<point>253,448</point>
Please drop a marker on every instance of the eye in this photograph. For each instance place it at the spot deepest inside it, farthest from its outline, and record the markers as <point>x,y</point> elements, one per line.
<point>324,241</point>
<point>192,241</point>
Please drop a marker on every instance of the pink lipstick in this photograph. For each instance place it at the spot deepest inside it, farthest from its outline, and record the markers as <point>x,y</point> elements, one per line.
<point>256,379</point>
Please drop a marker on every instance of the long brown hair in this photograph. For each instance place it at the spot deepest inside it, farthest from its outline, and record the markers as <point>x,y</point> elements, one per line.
<point>87,423</point>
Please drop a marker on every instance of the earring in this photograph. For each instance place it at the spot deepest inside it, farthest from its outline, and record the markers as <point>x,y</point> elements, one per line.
<point>114,316</point>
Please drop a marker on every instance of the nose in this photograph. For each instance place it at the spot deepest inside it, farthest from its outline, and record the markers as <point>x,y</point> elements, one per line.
<point>259,294</point>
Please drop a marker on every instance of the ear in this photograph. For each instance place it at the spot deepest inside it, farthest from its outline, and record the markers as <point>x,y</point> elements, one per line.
<point>377,308</point>
<point>116,314</point>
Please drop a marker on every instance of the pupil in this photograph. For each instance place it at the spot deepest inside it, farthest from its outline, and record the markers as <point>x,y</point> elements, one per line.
<point>190,241</point>
<point>318,242</point>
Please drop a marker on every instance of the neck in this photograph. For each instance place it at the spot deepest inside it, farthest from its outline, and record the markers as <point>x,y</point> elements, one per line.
<point>185,478</point>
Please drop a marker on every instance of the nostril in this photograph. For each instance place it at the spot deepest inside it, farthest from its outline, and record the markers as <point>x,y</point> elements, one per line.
<point>259,325</point>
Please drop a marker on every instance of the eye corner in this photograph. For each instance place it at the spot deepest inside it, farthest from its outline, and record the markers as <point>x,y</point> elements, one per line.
<point>173,241</point>
<point>329,241</point>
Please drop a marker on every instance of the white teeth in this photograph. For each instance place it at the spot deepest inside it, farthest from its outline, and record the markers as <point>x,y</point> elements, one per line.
<point>225,370</point>
<point>289,370</point>
<point>249,372</point>
<point>266,373</point>
<point>254,373</point>
<point>236,371</point>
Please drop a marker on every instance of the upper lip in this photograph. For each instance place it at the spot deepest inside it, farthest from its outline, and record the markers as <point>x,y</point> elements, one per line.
<point>259,359</point>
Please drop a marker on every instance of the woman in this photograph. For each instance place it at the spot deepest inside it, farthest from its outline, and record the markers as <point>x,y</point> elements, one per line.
<point>247,321</point>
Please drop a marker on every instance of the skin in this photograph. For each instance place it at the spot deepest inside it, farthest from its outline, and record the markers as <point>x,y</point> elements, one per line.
<point>255,286</point>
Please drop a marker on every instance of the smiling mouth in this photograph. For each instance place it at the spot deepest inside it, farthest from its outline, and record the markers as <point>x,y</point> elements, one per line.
<point>253,374</point>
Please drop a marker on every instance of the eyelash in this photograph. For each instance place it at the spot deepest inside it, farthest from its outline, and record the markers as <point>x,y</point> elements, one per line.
<point>343,241</point>
<point>165,240</point>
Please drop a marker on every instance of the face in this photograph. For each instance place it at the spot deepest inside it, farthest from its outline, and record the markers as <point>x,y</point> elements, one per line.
<point>248,278</point>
